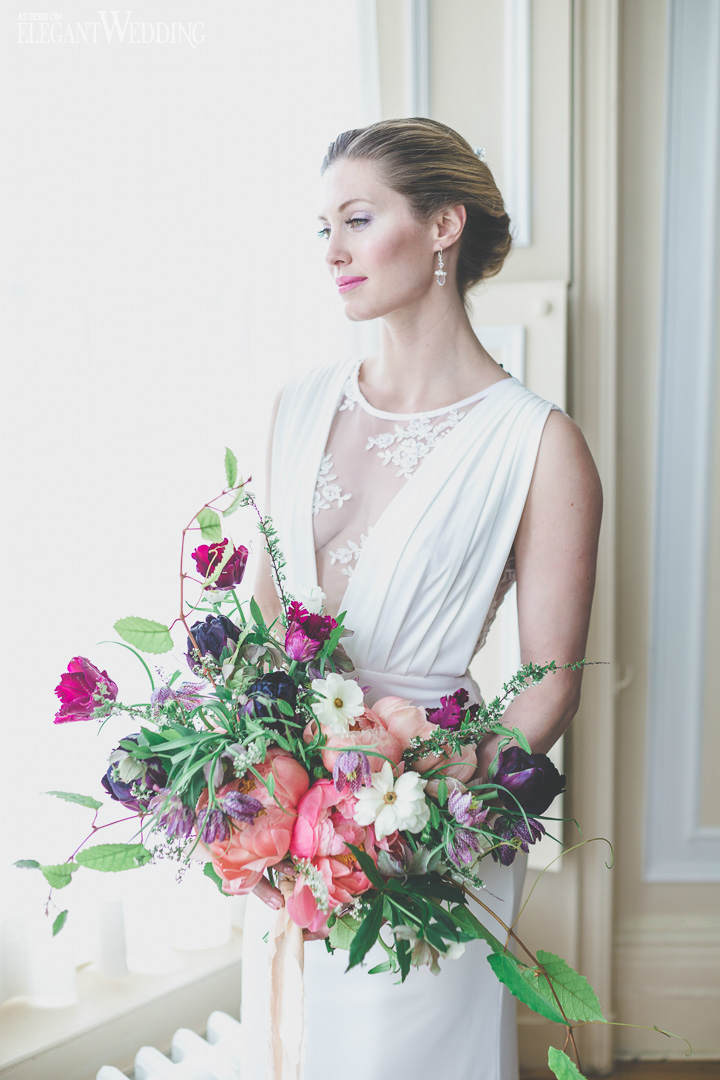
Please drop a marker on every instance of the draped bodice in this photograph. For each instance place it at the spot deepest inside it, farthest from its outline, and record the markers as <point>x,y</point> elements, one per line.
<point>406,521</point>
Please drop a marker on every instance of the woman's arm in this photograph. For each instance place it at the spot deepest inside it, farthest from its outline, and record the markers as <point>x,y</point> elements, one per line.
<point>555,557</point>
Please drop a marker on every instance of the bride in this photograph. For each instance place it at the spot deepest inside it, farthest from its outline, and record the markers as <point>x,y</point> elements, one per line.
<point>410,489</point>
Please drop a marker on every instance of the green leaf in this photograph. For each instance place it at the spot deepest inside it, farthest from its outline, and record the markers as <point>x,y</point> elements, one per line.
<point>285,707</point>
<point>235,503</point>
<point>561,1066</point>
<point>114,856</point>
<point>256,613</point>
<point>574,992</point>
<point>146,634</point>
<point>210,526</point>
<point>27,864</point>
<point>442,794</point>
<point>59,922</point>
<point>72,796</point>
<point>58,876</point>
<point>367,866</point>
<point>470,924</point>
<point>230,467</point>
<point>521,740</point>
<point>511,972</point>
<point>366,934</point>
<point>209,872</point>
<point>343,931</point>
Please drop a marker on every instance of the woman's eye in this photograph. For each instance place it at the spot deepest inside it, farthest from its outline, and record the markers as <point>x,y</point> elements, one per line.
<point>351,221</point>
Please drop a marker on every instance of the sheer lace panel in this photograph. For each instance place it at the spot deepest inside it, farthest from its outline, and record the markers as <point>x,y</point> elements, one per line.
<point>369,456</point>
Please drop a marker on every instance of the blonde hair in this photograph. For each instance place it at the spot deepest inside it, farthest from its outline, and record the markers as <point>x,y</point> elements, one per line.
<point>435,167</point>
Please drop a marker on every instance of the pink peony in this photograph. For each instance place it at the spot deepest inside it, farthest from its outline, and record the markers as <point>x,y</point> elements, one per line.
<point>368,730</point>
<point>404,721</point>
<point>323,827</point>
<point>82,689</point>
<point>254,845</point>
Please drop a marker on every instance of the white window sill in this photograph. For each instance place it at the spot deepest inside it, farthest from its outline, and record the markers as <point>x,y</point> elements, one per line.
<point>115,1017</point>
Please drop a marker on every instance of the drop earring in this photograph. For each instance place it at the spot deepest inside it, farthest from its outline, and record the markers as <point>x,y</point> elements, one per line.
<point>440,273</point>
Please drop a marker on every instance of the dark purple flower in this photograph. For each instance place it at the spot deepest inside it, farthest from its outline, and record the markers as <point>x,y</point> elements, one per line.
<point>306,632</point>
<point>275,685</point>
<point>351,771</point>
<point>450,711</point>
<point>532,779</point>
<point>213,635</point>
<point>133,781</point>
<point>241,807</point>
<point>212,825</point>
<point>508,829</point>
<point>82,689</point>
<point>176,818</point>
<point>208,557</point>
<point>462,847</point>
<point>460,806</point>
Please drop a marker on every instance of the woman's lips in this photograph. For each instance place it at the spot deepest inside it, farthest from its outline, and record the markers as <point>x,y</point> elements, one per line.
<point>351,284</point>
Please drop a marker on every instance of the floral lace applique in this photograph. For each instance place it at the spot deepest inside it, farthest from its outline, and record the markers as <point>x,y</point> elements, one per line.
<point>348,554</point>
<point>508,576</point>
<point>327,490</point>
<point>408,444</point>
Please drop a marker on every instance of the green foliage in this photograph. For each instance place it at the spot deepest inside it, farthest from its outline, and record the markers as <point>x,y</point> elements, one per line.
<point>343,931</point>
<point>209,872</point>
<point>145,634</point>
<point>230,467</point>
<point>59,922</point>
<point>114,857</point>
<point>210,525</point>
<point>27,864</point>
<point>366,934</point>
<point>521,740</point>
<point>522,981</point>
<point>59,875</point>
<point>561,1066</point>
<point>73,797</point>
<point>574,992</point>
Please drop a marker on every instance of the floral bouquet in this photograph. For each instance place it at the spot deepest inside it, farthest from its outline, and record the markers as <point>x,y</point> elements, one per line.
<point>270,763</point>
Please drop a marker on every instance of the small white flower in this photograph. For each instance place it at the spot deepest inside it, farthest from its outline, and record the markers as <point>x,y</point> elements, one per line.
<point>342,701</point>
<point>391,804</point>
<point>312,599</point>
<point>425,954</point>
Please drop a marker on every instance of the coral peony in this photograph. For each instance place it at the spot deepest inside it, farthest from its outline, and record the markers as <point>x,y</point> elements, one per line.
<point>323,827</point>
<point>253,845</point>
<point>367,731</point>
<point>405,721</point>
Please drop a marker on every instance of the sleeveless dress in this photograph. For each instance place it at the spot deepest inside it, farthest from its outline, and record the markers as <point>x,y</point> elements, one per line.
<point>407,522</point>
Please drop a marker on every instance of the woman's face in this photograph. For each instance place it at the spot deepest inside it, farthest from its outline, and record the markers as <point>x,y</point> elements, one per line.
<point>374,237</point>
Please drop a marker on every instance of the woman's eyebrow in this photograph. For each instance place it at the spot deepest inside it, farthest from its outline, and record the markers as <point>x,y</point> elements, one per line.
<point>347,203</point>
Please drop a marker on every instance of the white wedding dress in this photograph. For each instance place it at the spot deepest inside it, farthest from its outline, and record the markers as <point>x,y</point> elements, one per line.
<point>407,522</point>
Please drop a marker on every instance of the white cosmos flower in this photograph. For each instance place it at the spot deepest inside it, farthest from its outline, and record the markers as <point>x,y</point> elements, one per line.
<point>391,804</point>
<point>312,599</point>
<point>342,701</point>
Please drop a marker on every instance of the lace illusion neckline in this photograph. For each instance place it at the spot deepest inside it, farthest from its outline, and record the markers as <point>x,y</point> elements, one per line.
<point>363,401</point>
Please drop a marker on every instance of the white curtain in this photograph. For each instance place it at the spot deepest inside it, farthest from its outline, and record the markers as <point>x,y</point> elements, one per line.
<point>163,277</point>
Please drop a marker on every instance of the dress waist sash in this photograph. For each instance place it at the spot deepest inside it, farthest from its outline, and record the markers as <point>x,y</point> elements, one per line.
<point>423,690</point>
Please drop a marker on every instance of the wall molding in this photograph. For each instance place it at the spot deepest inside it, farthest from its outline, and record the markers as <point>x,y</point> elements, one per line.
<point>417,36</point>
<point>592,402</point>
<point>517,119</point>
<point>678,847</point>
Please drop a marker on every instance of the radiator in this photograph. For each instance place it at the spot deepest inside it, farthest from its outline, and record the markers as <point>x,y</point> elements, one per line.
<point>192,1057</point>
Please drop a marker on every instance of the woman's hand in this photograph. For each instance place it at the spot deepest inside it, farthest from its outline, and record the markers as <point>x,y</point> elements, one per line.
<point>275,899</point>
